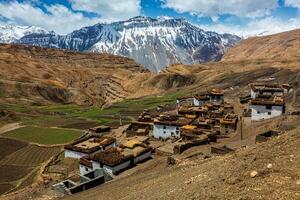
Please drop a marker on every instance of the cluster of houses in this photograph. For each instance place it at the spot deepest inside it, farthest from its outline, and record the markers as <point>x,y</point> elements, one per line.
<point>267,100</point>
<point>101,158</point>
<point>197,120</point>
<point>103,152</point>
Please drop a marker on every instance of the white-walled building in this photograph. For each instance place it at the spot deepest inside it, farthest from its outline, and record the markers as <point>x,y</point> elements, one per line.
<point>163,131</point>
<point>115,160</point>
<point>87,146</point>
<point>267,107</point>
<point>169,126</point>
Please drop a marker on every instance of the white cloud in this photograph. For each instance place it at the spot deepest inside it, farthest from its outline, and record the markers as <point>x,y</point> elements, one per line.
<point>110,10</point>
<point>241,8</point>
<point>265,26</point>
<point>63,20</point>
<point>58,17</point>
<point>293,3</point>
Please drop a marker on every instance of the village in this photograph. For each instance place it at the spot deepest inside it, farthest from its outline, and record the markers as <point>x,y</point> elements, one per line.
<point>203,122</point>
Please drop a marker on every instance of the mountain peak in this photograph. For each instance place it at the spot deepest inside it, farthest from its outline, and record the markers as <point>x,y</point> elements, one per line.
<point>11,33</point>
<point>140,18</point>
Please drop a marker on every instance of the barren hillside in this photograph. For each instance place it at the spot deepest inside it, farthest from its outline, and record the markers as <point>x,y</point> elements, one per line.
<point>282,46</point>
<point>41,76</point>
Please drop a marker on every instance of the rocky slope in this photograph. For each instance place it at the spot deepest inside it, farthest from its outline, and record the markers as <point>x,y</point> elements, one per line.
<point>154,43</point>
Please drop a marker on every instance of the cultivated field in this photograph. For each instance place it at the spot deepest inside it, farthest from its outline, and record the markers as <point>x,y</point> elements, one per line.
<point>43,135</point>
<point>19,160</point>
<point>31,155</point>
<point>9,146</point>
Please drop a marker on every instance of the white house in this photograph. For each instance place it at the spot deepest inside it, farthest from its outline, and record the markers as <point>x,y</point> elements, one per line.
<point>115,160</point>
<point>267,108</point>
<point>168,126</point>
<point>165,130</point>
<point>87,146</point>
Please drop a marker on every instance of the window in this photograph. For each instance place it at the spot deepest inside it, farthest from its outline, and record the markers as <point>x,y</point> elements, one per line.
<point>165,127</point>
<point>258,112</point>
<point>164,132</point>
<point>172,134</point>
<point>268,107</point>
<point>177,132</point>
<point>177,128</point>
<point>269,113</point>
<point>86,169</point>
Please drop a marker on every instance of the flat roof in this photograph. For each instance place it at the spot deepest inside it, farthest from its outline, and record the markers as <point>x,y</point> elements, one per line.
<point>115,156</point>
<point>90,144</point>
<point>268,100</point>
<point>266,87</point>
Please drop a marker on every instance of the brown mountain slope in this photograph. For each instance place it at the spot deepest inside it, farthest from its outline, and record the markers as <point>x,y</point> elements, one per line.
<point>280,46</point>
<point>40,76</point>
<point>37,75</point>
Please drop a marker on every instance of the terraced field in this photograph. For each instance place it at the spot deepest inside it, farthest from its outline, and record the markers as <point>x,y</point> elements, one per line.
<point>10,173</point>
<point>19,162</point>
<point>11,146</point>
<point>30,156</point>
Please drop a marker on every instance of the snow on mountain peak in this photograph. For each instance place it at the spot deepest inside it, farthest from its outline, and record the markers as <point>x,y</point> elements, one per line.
<point>12,33</point>
<point>154,43</point>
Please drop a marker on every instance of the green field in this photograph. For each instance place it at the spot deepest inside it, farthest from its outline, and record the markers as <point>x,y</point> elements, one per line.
<point>46,136</point>
<point>66,115</point>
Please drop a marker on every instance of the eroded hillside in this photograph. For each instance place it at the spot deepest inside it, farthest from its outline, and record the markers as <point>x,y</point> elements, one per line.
<point>36,75</point>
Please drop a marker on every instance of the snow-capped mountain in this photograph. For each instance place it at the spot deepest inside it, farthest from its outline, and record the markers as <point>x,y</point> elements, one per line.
<point>12,33</point>
<point>154,43</point>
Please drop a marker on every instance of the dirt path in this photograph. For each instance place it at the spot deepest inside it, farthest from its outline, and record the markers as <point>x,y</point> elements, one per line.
<point>9,127</point>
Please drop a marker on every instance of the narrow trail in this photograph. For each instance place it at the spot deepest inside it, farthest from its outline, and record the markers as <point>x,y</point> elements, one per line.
<point>9,127</point>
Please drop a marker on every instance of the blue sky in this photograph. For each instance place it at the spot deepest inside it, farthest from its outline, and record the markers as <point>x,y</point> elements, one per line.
<point>242,17</point>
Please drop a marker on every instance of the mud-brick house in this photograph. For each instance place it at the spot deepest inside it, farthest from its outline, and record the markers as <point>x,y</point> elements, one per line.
<point>201,99</point>
<point>138,149</point>
<point>184,101</point>
<point>100,129</point>
<point>138,128</point>
<point>228,124</point>
<point>268,89</point>
<point>267,107</point>
<point>87,146</point>
<point>169,126</point>
<point>115,160</point>
<point>111,160</point>
<point>216,96</point>
<point>193,110</point>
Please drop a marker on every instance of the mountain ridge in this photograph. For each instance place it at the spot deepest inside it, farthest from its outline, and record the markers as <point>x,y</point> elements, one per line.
<point>154,43</point>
